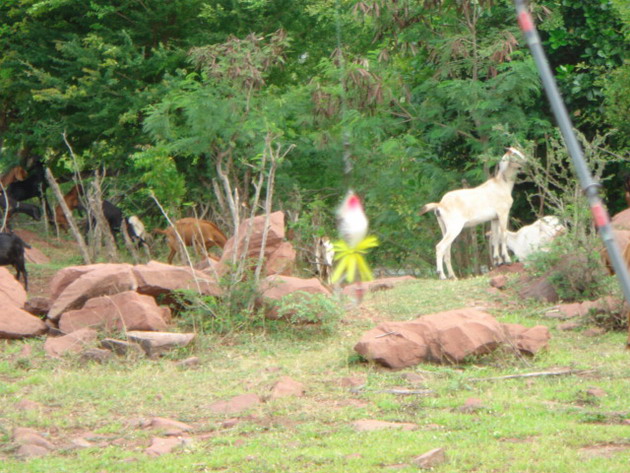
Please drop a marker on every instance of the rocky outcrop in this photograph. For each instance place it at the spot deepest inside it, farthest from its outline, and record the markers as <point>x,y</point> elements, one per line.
<point>155,279</point>
<point>17,323</point>
<point>99,280</point>
<point>444,337</point>
<point>125,311</point>
<point>11,290</point>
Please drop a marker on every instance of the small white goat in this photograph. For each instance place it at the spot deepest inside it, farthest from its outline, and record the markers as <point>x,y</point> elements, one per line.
<point>324,254</point>
<point>491,201</point>
<point>534,237</point>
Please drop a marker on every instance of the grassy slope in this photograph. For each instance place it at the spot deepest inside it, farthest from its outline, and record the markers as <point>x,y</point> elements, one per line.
<point>541,425</point>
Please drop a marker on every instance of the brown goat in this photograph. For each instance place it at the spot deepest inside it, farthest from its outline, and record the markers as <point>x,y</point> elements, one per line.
<point>17,173</point>
<point>72,201</point>
<point>193,232</point>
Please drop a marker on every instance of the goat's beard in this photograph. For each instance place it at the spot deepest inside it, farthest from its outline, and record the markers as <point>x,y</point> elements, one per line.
<point>352,222</point>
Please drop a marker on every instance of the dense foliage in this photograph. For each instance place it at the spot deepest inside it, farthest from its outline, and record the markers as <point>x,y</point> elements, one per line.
<point>401,100</point>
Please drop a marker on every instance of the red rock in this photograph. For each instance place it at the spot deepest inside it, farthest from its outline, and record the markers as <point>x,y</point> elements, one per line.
<point>26,405</point>
<point>38,306</point>
<point>155,278</point>
<point>11,290</point>
<point>351,382</point>
<point>449,336</point>
<point>621,220</point>
<point>528,341</point>
<point>596,392</point>
<point>155,343</point>
<point>287,386</point>
<point>161,446</point>
<point>255,229</point>
<point>539,288</point>
<point>71,343</point>
<point>66,276</point>
<point>107,279</point>
<point>594,332</point>
<point>500,282</point>
<point>430,459</point>
<point>125,311</point>
<point>162,423</point>
<point>281,261</point>
<point>235,405</point>
<point>567,326</point>
<point>27,436</point>
<point>17,323</point>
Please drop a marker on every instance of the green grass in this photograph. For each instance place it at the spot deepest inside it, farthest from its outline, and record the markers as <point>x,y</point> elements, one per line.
<point>546,424</point>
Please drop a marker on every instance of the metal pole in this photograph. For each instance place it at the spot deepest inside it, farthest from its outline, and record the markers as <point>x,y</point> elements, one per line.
<point>589,186</point>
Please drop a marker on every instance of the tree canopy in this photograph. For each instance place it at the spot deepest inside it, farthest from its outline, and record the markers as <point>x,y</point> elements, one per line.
<point>399,99</point>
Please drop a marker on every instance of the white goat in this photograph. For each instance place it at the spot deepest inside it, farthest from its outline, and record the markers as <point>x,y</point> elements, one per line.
<point>324,254</point>
<point>534,237</point>
<point>491,201</point>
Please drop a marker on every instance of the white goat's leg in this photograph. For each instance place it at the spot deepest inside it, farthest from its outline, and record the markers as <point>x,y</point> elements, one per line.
<point>447,260</point>
<point>443,250</point>
<point>505,257</point>
<point>494,242</point>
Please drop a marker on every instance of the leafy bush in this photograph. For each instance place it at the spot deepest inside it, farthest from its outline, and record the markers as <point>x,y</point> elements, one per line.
<point>573,266</point>
<point>310,312</point>
<point>233,312</point>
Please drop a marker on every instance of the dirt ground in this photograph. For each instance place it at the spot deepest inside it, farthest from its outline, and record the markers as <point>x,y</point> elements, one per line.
<point>57,251</point>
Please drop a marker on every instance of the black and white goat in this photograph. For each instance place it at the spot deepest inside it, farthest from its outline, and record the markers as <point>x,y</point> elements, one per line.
<point>12,254</point>
<point>114,216</point>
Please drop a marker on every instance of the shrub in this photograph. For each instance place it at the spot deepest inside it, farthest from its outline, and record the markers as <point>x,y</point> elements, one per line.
<point>573,266</point>
<point>309,312</point>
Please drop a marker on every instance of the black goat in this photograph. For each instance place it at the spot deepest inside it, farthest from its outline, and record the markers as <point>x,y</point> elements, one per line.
<point>31,210</point>
<point>33,186</point>
<point>12,253</point>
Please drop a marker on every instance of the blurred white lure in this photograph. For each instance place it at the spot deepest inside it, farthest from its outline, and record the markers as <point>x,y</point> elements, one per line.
<point>351,219</point>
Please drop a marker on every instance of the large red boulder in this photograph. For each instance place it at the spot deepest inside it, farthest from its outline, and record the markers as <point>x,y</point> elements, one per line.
<point>528,341</point>
<point>155,278</point>
<point>281,260</point>
<point>125,311</point>
<point>74,342</point>
<point>66,276</point>
<point>254,229</point>
<point>11,290</point>
<point>621,220</point>
<point>101,280</point>
<point>444,337</point>
<point>17,323</point>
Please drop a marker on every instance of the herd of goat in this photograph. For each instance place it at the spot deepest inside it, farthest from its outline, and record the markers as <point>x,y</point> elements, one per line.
<point>458,209</point>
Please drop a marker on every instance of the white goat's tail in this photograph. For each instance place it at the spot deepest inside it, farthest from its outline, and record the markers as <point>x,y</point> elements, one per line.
<point>428,207</point>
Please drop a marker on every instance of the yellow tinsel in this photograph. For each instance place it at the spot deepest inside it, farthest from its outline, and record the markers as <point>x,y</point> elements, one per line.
<point>350,259</point>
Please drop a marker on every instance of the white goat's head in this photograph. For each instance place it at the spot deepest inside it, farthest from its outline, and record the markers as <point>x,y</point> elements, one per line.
<point>511,162</point>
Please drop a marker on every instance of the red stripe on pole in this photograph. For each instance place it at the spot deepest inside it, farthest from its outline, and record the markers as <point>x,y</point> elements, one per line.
<point>525,21</point>
<point>600,216</point>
